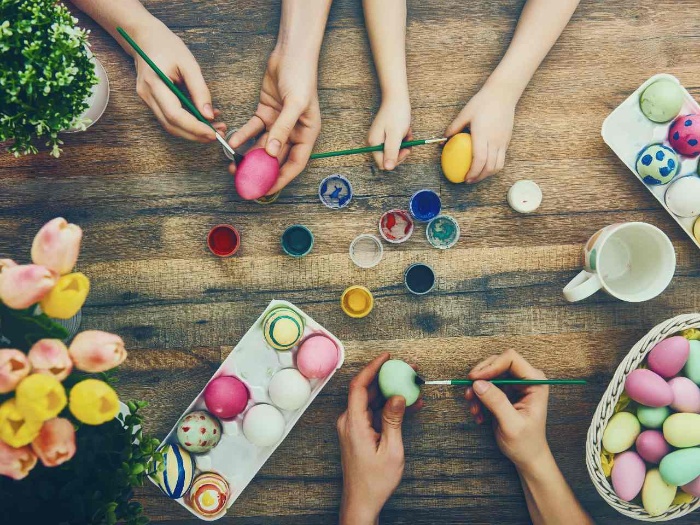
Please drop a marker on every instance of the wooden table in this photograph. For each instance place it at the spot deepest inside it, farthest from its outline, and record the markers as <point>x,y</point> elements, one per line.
<point>146,201</point>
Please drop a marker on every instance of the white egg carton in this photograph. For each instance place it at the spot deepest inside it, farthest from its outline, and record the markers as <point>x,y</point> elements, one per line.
<point>627,131</point>
<point>254,362</point>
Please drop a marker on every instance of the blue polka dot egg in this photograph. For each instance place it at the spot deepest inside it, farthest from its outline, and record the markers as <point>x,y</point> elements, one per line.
<point>684,135</point>
<point>657,164</point>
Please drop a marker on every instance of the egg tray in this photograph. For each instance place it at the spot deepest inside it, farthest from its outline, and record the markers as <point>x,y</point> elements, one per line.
<point>627,131</point>
<point>254,362</point>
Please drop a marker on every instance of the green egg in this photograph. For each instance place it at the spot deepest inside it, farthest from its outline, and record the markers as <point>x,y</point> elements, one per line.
<point>621,432</point>
<point>397,378</point>
<point>682,430</point>
<point>652,417</point>
<point>692,366</point>
<point>680,466</point>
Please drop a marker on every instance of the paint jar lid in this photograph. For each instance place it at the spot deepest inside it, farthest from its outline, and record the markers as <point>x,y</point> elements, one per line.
<point>419,278</point>
<point>357,301</point>
<point>297,240</point>
<point>268,199</point>
<point>366,250</point>
<point>395,226</point>
<point>240,150</point>
<point>525,196</point>
<point>223,240</point>
<point>424,205</point>
<point>442,232</point>
<point>335,191</point>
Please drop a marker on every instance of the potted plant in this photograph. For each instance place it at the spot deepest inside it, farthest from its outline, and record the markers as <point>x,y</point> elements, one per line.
<point>49,80</point>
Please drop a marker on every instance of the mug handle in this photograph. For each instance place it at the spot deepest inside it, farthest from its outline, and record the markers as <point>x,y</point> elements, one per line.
<point>583,285</point>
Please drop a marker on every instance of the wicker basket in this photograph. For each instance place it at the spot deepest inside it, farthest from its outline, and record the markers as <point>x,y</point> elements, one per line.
<point>605,411</point>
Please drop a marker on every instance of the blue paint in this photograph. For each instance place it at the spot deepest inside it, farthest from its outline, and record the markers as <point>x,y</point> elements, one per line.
<point>676,136</point>
<point>688,123</point>
<point>660,155</point>
<point>663,171</point>
<point>335,192</point>
<point>646,159</point>
<point>693,142</point>
<point>671,163</point>
<point>425,205</point>
<point>651,181</point>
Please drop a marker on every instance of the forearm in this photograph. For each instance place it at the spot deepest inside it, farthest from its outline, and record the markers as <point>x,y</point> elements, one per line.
<point>301,30</point>
<point>539,27</point>
<point>550,500</point>
<point>386,29</point>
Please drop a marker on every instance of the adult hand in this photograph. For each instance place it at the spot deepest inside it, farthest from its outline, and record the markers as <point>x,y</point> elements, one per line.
<point>371,447</point>
<point>519,426</point>
<point>391,126</point>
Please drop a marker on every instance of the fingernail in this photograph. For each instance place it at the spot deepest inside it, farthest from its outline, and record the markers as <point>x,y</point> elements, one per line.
<point>480,387</point>
<point>273,147</point>
<point>389,165</point>
<point>208,111</point>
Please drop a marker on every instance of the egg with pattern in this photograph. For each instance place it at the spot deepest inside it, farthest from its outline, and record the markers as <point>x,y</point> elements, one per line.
<point>684,135</point>
<point>657,164</point>
<point>199,432</point>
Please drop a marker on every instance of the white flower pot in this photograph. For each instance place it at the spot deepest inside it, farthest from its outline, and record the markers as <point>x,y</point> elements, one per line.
<point>97,100</point>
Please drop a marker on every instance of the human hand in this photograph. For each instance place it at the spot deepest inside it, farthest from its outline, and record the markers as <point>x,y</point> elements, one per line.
<point>289,111</point>
<point>371,446</point>
<point>171,55</point>
<point>391,125</point>
<point>520,427</point>
<point>489,115</point>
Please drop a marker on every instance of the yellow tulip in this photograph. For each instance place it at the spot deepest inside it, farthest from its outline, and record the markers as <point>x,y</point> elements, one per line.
<point>40,397</point>
<point>93,402</point>
<point>67,297</point>
<point>15,429</point>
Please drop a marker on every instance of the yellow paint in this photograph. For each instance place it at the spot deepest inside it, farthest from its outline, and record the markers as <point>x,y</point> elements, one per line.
<point>456,157</point>
<point>357,301</point>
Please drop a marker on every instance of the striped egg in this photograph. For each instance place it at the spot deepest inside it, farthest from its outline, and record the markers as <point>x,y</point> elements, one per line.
<point>176,478</point>
<point>209,495</point>
<point>282,328</point>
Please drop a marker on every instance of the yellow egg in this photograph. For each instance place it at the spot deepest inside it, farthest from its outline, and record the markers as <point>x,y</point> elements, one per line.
<point>457,157</point>
<point>621,432</point>
<point>657,495</point>
<point>682,430</point>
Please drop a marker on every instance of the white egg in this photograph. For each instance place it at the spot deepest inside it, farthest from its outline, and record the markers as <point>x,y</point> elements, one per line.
<point>683,196</point>
<point>263,425</point>
<point>289,390</point>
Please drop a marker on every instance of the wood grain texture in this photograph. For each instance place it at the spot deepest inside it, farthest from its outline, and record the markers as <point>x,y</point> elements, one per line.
<point>146,201</point>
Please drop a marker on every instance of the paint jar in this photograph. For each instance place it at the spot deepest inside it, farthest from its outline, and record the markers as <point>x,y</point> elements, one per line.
<point>442,232</point>
<point>366,250</point>
<point>419,278</point>
<point>268,199</point>
<point>223,240</point>
<point>297,240</point>
<point>357,301</point>
<point>396,226</point>
<point>335,191</point>
<point>424,205</point>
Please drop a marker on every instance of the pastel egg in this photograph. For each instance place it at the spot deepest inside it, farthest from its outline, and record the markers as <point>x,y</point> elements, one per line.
<point>456,158</point>
<point>693,488</point>
<point>628,474</point>
<point>209,495</point>
<point>680,466</point>
<point>668,357</point>
<point>648,388</point>
<point>282,328</point>
<point>317,357</point>
<point>661,100</point>
<point>226,396</point>
<point>256,174</point>
<point>692,366</point>
<point>682,498</point>
<point>657,164</point>
<point>198,432</point>
<point>289,390</point>
<point>683,196</point>
<point>397,378</point>
<point>686,395</point>
<point>652,446</point>
<point>684,135</point>
<point>178,473</point>
<point>657,495</point>
<point>652,417</point>
<point>682,430</point>
<point>263,425</point>
<point>621,432</point>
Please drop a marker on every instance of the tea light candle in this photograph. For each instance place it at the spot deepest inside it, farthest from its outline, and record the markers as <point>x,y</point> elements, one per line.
<point>525,196</point>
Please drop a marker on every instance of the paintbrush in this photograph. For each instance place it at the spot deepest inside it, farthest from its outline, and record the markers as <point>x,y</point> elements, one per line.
<point>468,382</point>
<point>379,147</point>
<point>179,94</point>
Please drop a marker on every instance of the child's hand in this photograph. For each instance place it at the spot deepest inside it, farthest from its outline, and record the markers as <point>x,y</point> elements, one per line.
<point>489,116</point>
<point>519,427</point>
<point>391,126</point>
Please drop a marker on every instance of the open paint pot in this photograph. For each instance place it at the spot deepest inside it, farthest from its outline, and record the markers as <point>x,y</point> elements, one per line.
<point>425,205</point>
<point>442,232</point>
<point>223,240</point>
<point>335,192</point>
<point>268,199</point>
<point>357,301</point>
<point>396,226</point>
<point>297,240</point>
<point>419,278</point>
<point>366,251</point>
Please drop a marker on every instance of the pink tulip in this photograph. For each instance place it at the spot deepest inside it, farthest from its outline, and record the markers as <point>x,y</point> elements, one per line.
<point>14,366</point>
<point>55,443</point>
<point>57,245</point>
<point>24,285</point>
<point>95,351</point>
<point>16,462</point>
<point>50,357</point>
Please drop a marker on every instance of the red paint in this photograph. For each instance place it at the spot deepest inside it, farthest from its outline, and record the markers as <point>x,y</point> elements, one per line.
<point>223,240</point>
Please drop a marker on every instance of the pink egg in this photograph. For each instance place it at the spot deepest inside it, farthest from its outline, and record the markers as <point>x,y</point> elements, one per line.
<point>693,488</point>
<point>684,135</point>
<point>648,388</point>
<point>686,395</point>
<point>652,446</point>
<point>256,174</point>
<point>226,397</point>
<point>628,475</point>
<point>668,357</point>
<point>317,357</point>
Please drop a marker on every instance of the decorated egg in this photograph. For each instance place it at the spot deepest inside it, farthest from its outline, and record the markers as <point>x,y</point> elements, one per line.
<point>661,100</point>
<point>657,164</point>
<point>648,388</point>
<point>628,474</point>
<point>657,495</point>
<point>226,396</point>
<point>682,430</point>
<point>684,135</point>
<point>686,395</point>
<point>176,477</point>
<point>282,328</point>
<point>680,466</point>
<point>652,417</point>
<point>692,366</point>
<point>668,356</point>
<point>289,390</point>
<point>683,196</point>
<point>263,425</point>
<point>209,495</point>
<point>317,357</point>
<point>256,174</point>
<point>652,446</point>
<point>198,432</point>
<point>397,378</point>
<point>456,158</point>
<point>693,488</point>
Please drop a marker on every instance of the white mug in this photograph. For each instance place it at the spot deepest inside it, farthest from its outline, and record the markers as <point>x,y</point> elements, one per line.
<point>632,261</point>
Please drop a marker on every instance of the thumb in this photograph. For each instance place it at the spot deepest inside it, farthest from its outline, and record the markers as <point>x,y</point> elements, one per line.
<point>392,418</point>
<point>282,128</point>
<point>460,122</point>
<point>495,401</point>
<point>198,89</point>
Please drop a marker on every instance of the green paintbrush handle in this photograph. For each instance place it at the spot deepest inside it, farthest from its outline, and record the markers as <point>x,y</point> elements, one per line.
<point>369,149</point>
<point>523,382</point>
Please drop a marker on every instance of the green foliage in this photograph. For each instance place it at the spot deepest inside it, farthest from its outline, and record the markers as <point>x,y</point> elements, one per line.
<point>46,75</point>
<point>23,329</point>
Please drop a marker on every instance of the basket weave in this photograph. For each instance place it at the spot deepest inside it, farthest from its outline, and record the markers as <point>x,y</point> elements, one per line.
<point>604,412</point>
